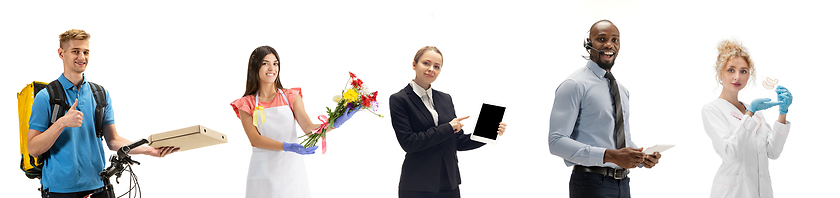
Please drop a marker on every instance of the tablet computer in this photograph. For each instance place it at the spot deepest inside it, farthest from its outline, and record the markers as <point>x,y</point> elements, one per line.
<point>657,148</point>
<point>187,138</point>
<point>487,123</point>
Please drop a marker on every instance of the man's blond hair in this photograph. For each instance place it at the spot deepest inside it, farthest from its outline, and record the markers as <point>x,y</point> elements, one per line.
<point>73,34</point>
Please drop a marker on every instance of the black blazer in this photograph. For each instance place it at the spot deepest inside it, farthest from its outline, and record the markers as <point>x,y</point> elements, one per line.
<point>427,147</point>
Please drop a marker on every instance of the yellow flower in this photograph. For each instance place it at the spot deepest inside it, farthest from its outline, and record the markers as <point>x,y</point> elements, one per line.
<point>337,98</point>
<point>351,95</point>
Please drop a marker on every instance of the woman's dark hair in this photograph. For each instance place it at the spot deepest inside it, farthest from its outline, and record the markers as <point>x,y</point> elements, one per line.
<point>252,85</point>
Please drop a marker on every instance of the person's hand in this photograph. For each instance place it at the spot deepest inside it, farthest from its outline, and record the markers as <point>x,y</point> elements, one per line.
<point>161,151</point>
<point>651,160</point>
<point>346,116</point>
<point>501,130</point>
<point>456,123</point>
<point>299,149</point>
<point>625,158</point>
<point>73,117</point>
<point>329,128</point>
<point>783,96</point>
<point>761,104</point>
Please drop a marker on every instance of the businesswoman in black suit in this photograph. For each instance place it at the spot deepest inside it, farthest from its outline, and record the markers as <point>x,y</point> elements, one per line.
<point>429,132</point>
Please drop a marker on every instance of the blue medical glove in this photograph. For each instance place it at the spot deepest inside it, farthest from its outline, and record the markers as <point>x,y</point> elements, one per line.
<point>343,118</point>
<point>299,149</point>
<point>761,104</point>
<point>785,98</point>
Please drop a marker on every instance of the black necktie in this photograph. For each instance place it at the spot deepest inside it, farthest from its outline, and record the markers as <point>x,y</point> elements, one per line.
<point>619,114</point>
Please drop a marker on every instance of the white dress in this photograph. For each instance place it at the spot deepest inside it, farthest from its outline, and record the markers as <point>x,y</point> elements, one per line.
<point>277,173</point>
<point>744,144</point>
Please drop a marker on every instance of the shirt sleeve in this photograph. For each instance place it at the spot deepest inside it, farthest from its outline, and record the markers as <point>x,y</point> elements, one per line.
<point>627,133</point>
<point>464,143</point>
<point>245,103</point>
<point>776,139</point>
<point>290,94</point>
<point>39,120</point>
<point>109,110</point>
<point>564,114</point>
<point>629,142</point>
<point>727,140</point>
<point>412,141</point>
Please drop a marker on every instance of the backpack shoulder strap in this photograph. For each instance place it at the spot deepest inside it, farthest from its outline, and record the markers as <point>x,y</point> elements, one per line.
<point>101,102</point>
<point>57,101</point>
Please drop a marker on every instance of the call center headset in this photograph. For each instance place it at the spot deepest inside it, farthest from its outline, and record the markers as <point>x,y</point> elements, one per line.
<point>588,45</point>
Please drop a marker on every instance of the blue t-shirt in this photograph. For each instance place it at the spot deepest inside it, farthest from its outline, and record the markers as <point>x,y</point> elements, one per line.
<point>77,156</point>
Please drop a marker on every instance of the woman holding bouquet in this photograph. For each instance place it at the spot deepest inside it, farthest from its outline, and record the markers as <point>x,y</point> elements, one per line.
<point>268,113</point>
<point>429,132</point>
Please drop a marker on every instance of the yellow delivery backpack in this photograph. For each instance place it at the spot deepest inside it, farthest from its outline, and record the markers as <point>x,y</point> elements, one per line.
<point>32,165</point>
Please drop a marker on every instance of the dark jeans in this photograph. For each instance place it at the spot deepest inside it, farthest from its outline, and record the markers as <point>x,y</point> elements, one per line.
<point>99,193</point>
<point>594,185</point>
<point>456,193</point>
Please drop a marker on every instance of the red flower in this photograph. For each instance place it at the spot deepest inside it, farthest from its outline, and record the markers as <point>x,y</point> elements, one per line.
<point>373,96</point>
<point>352,75</point>
<point>357,83</point>
<point>366,101</point>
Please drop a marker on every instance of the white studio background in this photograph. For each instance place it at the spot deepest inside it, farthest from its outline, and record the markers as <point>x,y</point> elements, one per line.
<point>170,65</point>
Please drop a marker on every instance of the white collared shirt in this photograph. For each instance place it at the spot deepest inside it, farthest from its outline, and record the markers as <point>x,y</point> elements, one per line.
<point>426,96</point>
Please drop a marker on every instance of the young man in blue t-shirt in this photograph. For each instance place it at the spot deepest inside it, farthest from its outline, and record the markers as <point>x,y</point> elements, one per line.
<point>75,154</point>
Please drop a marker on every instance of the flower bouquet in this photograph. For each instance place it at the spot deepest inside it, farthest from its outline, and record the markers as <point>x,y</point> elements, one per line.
<point>351,100</point>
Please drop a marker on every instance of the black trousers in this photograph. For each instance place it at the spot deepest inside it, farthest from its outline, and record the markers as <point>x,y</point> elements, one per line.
<point>446,190</point>
<point>594,185</point>
<point>454,193</point>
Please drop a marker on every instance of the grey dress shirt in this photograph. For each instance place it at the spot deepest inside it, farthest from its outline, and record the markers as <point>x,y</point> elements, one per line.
<point>582,122</point>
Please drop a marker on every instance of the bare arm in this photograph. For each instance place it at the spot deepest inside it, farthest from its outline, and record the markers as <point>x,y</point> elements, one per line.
<point>782,118</point>
<point>41,141</point>
<point>302,117</point>
<point>254,136</point>
<point>115,142</point>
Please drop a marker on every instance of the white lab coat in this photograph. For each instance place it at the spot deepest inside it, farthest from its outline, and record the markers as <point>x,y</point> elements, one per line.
<point>744,143</point>
<point>277,173</point>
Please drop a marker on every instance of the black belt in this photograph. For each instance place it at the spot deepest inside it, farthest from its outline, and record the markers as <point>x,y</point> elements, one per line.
<point>609,172</point>
<point>93,193</point>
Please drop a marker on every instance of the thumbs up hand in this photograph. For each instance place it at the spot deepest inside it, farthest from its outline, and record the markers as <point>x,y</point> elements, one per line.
<point>72,118</point>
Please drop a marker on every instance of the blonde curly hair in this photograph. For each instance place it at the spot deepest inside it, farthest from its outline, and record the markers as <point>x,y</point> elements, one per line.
<point>73,34</point>
<point>728,50</point>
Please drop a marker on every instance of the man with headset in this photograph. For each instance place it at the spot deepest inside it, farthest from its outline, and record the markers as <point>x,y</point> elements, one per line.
<point>72,147</point>
<point>587,124</point>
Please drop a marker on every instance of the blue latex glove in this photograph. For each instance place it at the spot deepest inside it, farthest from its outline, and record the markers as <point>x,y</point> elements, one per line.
<point>761,104</point>
<point>343,118</point>
<point>299,149</point>
<point>785,98</point>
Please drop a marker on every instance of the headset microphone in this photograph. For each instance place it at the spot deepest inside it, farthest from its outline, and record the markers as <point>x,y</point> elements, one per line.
<point>588,45</point>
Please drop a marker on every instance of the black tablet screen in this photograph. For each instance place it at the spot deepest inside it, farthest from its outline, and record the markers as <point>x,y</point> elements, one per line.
<point>488,121</point>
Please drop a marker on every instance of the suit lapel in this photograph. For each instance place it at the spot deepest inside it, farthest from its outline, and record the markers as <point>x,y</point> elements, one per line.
<point>441,107</point>
<point>418,103</point>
